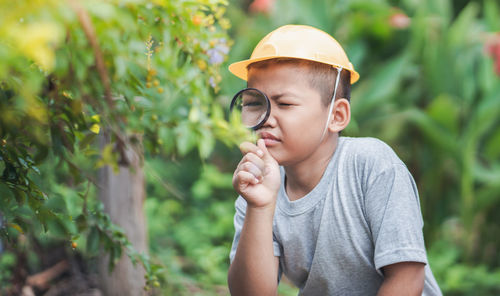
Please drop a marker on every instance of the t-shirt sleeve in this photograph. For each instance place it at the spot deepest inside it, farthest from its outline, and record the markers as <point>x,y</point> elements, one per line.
<point>394,217</point>
<point>239,218</point>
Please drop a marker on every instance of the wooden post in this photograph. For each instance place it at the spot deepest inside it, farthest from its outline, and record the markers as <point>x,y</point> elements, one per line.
<point>123,194</point>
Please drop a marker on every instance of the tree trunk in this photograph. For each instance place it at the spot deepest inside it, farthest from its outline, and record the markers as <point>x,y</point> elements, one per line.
<point>122,194</point>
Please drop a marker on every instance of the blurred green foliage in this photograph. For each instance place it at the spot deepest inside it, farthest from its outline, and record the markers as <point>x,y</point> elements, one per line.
<point>191,231</point>
<point>428,87</point>
<point>144,72</point>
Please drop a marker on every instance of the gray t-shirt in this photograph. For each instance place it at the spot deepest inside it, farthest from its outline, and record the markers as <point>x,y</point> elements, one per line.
<point>364,214</point>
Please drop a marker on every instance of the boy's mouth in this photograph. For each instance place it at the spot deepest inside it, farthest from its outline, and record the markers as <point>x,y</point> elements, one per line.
<point>269,138</point>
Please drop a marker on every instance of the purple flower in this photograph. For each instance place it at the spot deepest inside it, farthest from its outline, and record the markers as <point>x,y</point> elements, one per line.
<point>211,80</point>
<point>216,54</point>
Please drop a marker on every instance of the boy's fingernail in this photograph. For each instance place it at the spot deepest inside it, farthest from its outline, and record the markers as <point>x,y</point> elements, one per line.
<point>260,152</point>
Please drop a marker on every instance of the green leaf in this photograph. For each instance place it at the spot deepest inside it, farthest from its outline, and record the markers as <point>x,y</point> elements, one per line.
<point>492,146</point>
<point>34,168</point>
<point>186,138</point>
<point>9,173</point>
<point>201,189</point>
<point>445,111</point>
<point>19,195</point>
<point>464,22</point>
<point>441,137</point>
<point>484,116</point>
<point>492,15</point>
<point>81,223</point>
<point>93,241</point>
<point>23,163</point>
<point>89,138</point>
<point>486,75</point>
<point>377,91</point>
<point>166,135</point>
<point>206,143</point>
<point>57,227</point>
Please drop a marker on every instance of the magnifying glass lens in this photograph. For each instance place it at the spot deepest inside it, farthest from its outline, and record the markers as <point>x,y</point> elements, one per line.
<point>253,107</point>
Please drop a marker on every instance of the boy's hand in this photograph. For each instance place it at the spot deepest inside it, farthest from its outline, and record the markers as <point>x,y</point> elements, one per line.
<point>257,177</point>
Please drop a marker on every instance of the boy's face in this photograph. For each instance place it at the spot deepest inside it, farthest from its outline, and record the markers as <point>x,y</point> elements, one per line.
<point>298,117</point>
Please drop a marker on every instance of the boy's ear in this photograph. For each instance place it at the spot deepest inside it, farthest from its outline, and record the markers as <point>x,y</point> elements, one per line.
<point>341,115</point>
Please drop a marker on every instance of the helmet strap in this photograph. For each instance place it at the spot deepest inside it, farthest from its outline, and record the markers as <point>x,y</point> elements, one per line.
<point>339,69</point>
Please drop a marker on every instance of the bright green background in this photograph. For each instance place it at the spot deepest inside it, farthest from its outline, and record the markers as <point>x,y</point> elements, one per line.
<point>429,90</point>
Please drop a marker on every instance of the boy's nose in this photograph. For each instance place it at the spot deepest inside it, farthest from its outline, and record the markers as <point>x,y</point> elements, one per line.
<point>271,120</point>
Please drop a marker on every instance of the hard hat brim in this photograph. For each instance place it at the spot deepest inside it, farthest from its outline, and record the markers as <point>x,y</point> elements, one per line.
<point>240,70</point>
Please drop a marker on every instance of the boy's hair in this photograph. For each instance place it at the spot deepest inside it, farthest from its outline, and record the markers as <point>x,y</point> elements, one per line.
<point>321,77</point>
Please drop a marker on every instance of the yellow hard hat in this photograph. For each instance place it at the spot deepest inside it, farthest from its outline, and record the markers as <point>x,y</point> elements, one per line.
<point>297,42</point>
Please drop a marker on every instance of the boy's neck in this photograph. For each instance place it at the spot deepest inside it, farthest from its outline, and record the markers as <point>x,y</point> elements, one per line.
<point>301,178</point>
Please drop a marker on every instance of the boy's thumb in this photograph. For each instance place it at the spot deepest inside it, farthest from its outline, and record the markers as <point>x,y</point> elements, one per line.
<point>262,145</point>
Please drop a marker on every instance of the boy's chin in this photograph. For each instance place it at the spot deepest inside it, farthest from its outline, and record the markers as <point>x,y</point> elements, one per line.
<point>282,161</point>
<point>275,154</point>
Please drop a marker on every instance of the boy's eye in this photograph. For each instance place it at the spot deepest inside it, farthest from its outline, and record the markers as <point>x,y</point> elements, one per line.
<point>252,104</point>
<point>285,104</point>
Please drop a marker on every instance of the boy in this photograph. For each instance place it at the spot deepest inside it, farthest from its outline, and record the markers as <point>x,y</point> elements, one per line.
<point>341,216</point>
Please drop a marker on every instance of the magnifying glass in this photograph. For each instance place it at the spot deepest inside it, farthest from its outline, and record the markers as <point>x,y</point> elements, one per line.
<point>253,106</point>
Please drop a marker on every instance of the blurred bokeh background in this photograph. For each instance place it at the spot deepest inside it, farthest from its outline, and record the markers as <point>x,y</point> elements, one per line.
<point>115,140</point>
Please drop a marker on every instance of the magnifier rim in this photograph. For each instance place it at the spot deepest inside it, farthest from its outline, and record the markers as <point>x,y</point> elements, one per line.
<point>268,112</point>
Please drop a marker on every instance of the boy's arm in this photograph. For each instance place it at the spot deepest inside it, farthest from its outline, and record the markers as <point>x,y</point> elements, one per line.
<point>254,270</point>
<point>404,278</point>
<point>393,213</point>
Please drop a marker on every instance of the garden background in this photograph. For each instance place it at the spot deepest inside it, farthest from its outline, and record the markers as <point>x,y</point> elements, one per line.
<point>116,112</point>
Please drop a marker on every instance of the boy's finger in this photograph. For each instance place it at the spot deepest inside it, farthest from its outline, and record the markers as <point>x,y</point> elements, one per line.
<point>252,169</point>
<point>253,158</point>
<point>244,179</point>
<point>247,147</point>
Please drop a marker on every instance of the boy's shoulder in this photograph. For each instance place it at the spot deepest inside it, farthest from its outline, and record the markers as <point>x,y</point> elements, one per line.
<point>369,151</point>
